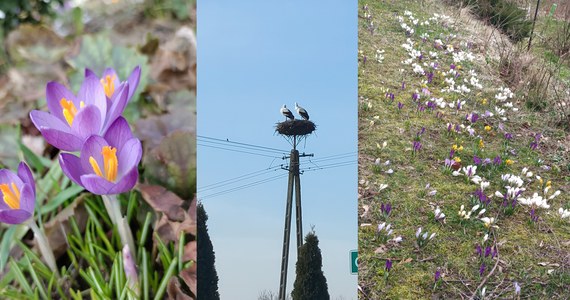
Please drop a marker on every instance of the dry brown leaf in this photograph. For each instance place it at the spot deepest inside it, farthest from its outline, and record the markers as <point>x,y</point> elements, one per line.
<point>380,250</point>
<point>163,200</point>
<point>175,62</point>
<point>174,291</point>
<point>190,278</point>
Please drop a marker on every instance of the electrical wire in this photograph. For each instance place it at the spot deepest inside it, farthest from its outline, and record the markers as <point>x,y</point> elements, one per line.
<point>237,179</point>
<point>240,144</point>
<point>235,150</point>
<point>243,186</point>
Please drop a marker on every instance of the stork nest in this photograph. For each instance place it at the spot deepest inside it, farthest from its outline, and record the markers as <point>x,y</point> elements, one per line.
<point>295,127</point>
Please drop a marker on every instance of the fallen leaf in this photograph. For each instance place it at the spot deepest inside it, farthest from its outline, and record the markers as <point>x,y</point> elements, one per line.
<point>174,291</point>
<point>163,200</point>
<point>380,250</point>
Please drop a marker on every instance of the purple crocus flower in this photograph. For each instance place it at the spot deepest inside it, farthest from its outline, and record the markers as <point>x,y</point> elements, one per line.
<point>386,209</point>
<point>508,136</point>
<point>476,160</point>
<point>437,276</point>
<point>487,251</point>
<point>482,269</point>
<point>415,97</point>
<point>18,195</point>
<point>533,216</point>
<point>403,85</point>
<point>110,80</point>
<point>400,105</point>
<point>429,77</point>
<point>73,119</point>
<point>486,161</point>
<point>107,165</point>
<point>388,265</point>
<point>417,146</point>
<point>497,160</point>
<point>478,250</point>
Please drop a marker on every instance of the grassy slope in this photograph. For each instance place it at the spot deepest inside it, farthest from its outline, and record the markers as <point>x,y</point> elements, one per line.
<point>522,245</point>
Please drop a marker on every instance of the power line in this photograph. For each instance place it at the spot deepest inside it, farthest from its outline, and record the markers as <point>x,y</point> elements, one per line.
<point>329,166</point>
<point>244,186</point>
<point>243,144</point>
<point>238,178</point>
<point>235,150</point>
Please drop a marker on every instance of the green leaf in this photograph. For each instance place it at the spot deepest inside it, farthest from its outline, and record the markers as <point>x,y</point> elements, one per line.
<point>68,193</point>
<point>37,162</point>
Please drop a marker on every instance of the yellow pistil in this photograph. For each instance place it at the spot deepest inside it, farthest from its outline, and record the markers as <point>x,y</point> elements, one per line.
<point>509,162</point>
<point>484,101</point>
<point>11,196</point>
<point>549,183</point>
<point>481,144</point>
<point>110,164</point>
<point>108,85</point>
<point>487,128</point>
<point>457,159</point>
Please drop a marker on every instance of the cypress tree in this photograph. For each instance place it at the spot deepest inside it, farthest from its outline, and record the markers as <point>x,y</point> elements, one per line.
<point>206,271</point>
<point>310,282</point>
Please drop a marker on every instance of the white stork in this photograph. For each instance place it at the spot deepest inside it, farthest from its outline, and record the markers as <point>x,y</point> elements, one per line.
<point>301,111</point>
<point>287,113</point>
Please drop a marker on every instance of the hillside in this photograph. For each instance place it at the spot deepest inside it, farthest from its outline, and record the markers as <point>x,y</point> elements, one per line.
<point>464,176</point>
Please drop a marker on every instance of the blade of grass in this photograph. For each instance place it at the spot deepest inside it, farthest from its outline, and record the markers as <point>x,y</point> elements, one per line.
<point>164,253</point>
<point>20,278</point>
<point>39,285</point>
<point>61,197</point>
<point>37,162</point>
<point>180,250</point>
<point>5,245</point>
<point>145,273</point>
<point>166,278</point>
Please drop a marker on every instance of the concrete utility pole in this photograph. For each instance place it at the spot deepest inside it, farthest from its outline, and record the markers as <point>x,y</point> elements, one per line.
<point>295,130</point>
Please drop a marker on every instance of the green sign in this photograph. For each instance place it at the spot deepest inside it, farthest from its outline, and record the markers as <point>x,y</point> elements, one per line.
<point>353,262</point>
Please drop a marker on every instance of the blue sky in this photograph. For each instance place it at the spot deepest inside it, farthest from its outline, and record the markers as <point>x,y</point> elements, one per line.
<point>253,57</point>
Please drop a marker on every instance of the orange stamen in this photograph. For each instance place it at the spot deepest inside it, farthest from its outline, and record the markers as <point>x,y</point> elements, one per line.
<point>69,110</point>
<point>108,85</point>
<point>110,164</point>
<point>11,196</point>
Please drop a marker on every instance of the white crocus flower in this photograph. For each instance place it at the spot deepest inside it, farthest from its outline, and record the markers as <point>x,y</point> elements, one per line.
<point>564,213</point>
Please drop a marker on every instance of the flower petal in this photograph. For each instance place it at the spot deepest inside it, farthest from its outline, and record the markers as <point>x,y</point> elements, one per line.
<point>100,186</point>
<point>96,184</point>
<point>118,133</point>
<point>89,72</point>
<point>62,140</point>
<point>14,216</point>
<point>117,105</point>
<point>92,93</point>
<point>54,93</point>
<point>27,199</point>
<point>42,120</point>
<point>71,166</point>
<point>7,177</point>
<point>87,122</point>
<point>133,81</point>
<point>92,147</point>
<point>129,156</point>
<point>25,174</point>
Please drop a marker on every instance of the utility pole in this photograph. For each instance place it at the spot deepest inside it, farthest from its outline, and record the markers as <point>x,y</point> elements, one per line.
<point>295,130</point>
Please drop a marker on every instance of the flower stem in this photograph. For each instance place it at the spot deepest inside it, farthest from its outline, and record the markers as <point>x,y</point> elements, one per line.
<point>45,248</point>
<point>113,207</point>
